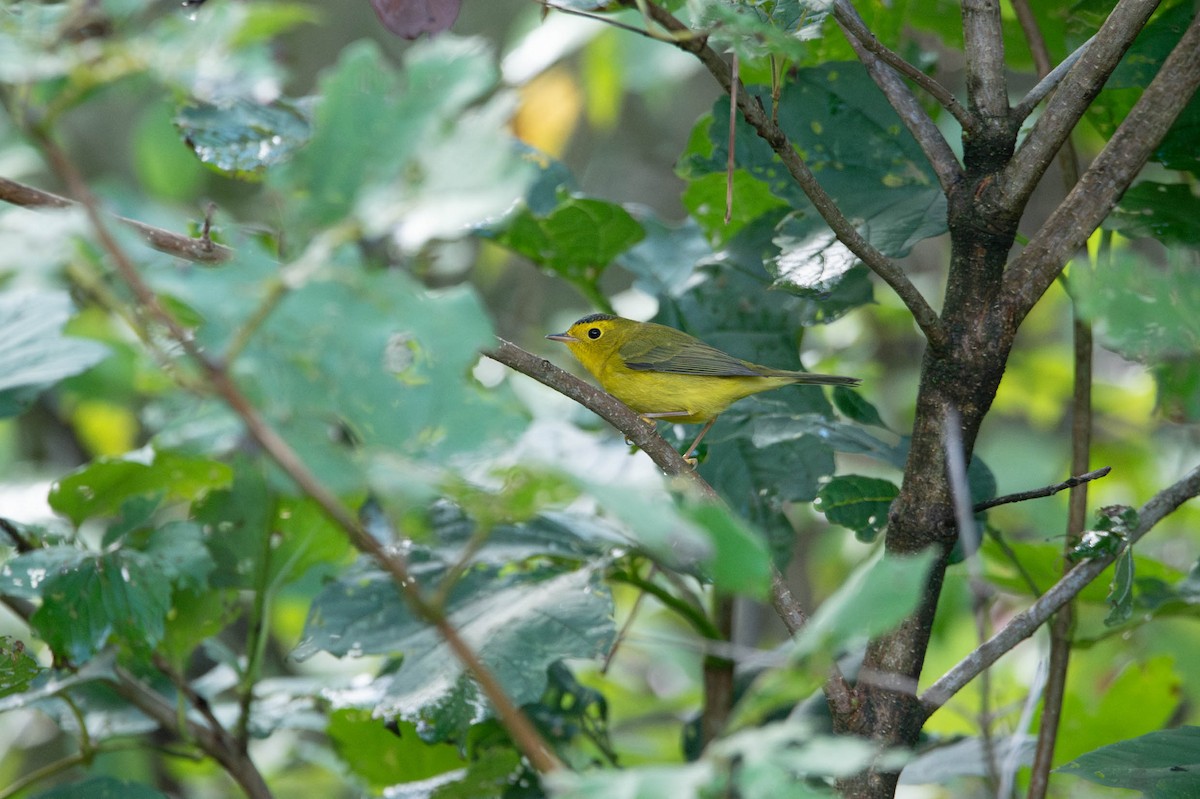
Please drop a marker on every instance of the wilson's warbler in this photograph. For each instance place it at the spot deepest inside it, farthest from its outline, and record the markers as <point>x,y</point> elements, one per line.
<point>663,373</point>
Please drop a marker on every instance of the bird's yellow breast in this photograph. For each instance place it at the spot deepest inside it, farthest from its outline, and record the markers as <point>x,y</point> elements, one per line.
<point>701,396</point>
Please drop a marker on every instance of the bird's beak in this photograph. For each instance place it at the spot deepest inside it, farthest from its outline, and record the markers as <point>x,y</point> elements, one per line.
<point>565,338</point>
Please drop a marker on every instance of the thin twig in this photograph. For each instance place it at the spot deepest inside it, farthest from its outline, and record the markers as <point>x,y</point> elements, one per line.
<point>1048,83</point>
<point>1045,491</point>
<point>518,725</point>
<point>201,251</point>
<point>850,22</point>
<point>1024,624</point>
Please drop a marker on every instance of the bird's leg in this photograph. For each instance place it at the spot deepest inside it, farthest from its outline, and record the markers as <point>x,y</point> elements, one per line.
<point>688,454</point>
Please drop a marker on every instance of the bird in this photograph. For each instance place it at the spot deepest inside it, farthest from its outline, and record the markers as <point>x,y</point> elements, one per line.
<point>664,373</point>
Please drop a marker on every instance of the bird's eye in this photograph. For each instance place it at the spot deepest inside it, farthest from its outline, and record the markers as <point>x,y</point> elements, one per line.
<point>594,333</point>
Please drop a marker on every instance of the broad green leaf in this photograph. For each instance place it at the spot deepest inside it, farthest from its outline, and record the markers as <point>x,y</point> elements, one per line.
<point>577,240</point>
<point>489,776</point>
<point>874,599</point>
<point>101,487</point>
<point>1147,314</point>
<point>519,623</point>
<point>857,502</point>
<point>853,405</point>
<point>243,139</point>
<point>383,755</point>
<point>372,123</point>
<point>102,788</point>
<point>34,353</point>
<point>664,260</point>
<point>1162,765</point>
<point>118,595</point>
<point>178,551</point>
<point>1165,212</point>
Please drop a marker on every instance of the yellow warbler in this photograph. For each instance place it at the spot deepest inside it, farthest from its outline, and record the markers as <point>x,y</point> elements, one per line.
<point>663,373</point>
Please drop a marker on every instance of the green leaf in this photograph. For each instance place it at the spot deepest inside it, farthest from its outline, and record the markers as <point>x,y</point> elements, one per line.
<point>873,600</point>
<point>101,487</point>
<point>855,406</point>
<point>18,668</point>
<point>1165,212</point>
<point>243,139</point>
<point>393,133</point>
<point>857,502</point>
<point>34,353</point>
<point>386,755</point>
<point>1120,593</point>
<point>519,623</point>
<point>740,562</point>
<point>577,240</point>
<point>102,788</point>
<point>1147,314</point>
<point>1162,765</point>
<point>178,551</point>
<point>118,595</point>
<point>757,30</point>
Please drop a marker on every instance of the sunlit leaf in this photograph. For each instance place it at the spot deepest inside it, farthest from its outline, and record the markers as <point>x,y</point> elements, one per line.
<point>243,138</point>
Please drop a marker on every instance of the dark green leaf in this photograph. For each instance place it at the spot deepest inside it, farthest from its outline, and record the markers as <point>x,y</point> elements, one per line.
<point>244,138</point>
<point>118,595</point>
<point>855,406</point>
<point>17,666</point>
<point>34,353</point>
<point>577,240</point>
<point>1120,594</point>
<point>102,788</point>
<point>1162,765</point>
<point>1165,212</point>
<point>857,502</point>
<point>518,623</point>
<point>101,487</point>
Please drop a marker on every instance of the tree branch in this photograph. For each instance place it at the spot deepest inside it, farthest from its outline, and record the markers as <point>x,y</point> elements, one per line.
<point>772,134</point>
<point>1048,83</point>
<point>1079,88</point>
<point>983,44</point>
<point>1109,175</point>
<point>528,740</point>
<point>1027,622</point>
<point>877,58</point>
<point>201,251</point>
<point>1045,491</point>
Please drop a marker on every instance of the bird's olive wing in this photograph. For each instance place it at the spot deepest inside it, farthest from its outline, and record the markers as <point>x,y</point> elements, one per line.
<point>684,355</point>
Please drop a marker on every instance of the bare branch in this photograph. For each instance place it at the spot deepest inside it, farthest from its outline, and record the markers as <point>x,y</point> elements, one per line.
<point>983,43</point>
<point>772,134</point>
<point>877,58</point>
<point>1081,85</point>
<point>201,251</point>
<point>1048,84</point>
<point>1045,491</point>
<point>1068,228</point>
<point>1027,622</point>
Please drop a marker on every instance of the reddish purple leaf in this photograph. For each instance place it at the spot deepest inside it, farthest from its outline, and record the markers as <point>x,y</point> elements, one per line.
<point>411,18</point>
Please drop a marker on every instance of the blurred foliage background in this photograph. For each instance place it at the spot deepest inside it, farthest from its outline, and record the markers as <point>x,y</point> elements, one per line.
<point>375,225</point>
